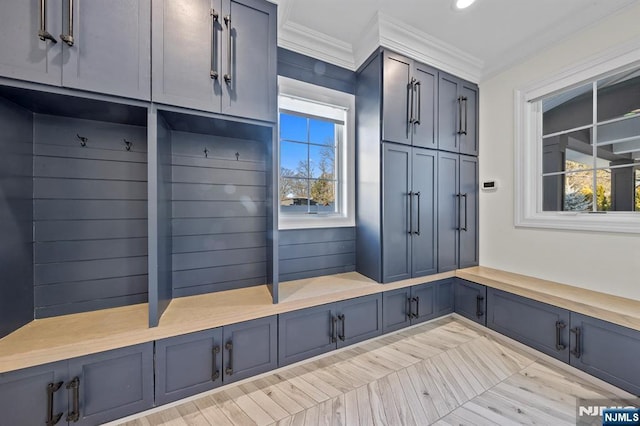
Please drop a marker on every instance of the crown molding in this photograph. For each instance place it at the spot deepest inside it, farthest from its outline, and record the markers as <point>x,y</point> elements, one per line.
<point>382,30</point>
<point>409,41</point>
<point>318,45</point>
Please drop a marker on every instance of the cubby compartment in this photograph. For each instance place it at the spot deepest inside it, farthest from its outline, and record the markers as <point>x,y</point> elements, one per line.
<point>73,205</point>
<point>215,210</point>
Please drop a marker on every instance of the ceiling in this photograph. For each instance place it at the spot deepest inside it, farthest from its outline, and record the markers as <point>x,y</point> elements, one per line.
<point>474,43</point>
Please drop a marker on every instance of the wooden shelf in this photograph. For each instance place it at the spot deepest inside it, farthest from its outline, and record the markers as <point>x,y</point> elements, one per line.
<point>615,309</point>
<point>59,338</point>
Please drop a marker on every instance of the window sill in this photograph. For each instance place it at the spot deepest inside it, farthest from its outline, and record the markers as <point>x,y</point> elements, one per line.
<point>608,222</point>
<point>314,221</point>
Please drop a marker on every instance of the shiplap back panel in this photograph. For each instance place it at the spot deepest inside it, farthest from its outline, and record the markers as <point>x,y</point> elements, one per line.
<point>90,215</point>
<point>16,215</point>
<point>219,213</point>
<point>306,253</point>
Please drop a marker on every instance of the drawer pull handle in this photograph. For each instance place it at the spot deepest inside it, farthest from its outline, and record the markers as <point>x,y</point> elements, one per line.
<point>43,34</point>
<point>334,329</point>
<point>560,325</point>
<point>577,351</point>
<point>215,372</point>
<point>417,314</point>
<point>229,370</point>
<point>479,300</point>
<point>342,336</point>
<point>52,419</point>
<point>68,38</point>
<point>74,386</point>
<point>213,73</point>
<point>227,76</point>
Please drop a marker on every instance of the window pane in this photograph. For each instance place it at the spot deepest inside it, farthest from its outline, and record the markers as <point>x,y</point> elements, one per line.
<point>568,110</point>
<point>294,196</point>
<point>570,192</point>
<point>322,132</point>
<point>293,159</point>
<point>293,127</point>
<point>619,95</point>
<point>623,137</point>
<point>322,161</point>
<point>570,151</point>
<point>617,188</point>
<point>323,196</point>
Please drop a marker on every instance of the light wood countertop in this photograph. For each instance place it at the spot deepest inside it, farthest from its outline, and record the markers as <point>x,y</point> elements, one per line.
<point>615,309</point>
<point>69,336</point>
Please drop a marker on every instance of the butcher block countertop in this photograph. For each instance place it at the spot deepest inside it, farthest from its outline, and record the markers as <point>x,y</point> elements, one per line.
<point>69,336</point>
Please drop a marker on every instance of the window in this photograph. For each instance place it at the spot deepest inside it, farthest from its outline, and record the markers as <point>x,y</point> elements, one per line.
<point>578,148</point>
<point>315,156</point>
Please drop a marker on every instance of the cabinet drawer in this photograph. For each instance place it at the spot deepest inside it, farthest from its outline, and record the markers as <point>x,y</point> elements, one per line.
<point>541,326</point>
<point>187,365</point>
<point>306,333</point>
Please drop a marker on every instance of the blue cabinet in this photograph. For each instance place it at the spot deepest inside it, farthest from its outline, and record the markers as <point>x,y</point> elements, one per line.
<point>216,55</point>
<point>89,390</point>
<point>539,325</point>
<point>471,300</point>
<point>188,364</point>
<point>409,233</point>
<point>312,331</point>
<point>94,46</point>
<point>197,362</point>
<point>607,351</point>
<point>457,115</point>
<point>413,305</point>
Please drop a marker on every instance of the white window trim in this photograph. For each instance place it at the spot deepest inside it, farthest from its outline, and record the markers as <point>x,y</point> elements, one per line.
<point>527,127</point>
<point>301,90</point>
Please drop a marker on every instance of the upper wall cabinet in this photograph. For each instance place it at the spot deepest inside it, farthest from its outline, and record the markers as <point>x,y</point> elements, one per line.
<point>409,101</point>
<point>95,45</point>
<point>457,115</point>
<point>216,55</point>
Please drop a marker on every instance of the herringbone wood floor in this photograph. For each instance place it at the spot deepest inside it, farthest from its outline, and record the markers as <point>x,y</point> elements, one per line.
<point>446,372</point>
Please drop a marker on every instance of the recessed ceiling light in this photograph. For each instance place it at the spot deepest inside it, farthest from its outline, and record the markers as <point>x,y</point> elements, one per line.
<point>462,4</point>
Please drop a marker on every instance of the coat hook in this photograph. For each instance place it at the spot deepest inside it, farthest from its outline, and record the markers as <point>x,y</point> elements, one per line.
<point>83,140</point>
<point>206,153</point>
<point>237,156</point>
<point>128,144</point>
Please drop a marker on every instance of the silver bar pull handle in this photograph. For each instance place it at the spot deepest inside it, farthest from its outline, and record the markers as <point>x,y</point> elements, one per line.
<point>43,34</point>
<point>410,194</point>
<point>418,86</point>
<point>213,73</point>
<point>466,213</point>
<point>227,76</point>
<point>68,38</point>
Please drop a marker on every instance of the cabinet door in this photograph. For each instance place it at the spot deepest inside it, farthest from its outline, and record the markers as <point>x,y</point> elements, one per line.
<point>111,51</point>
<point>468,212</point>
<point>396,105</point>
<point>448,211</point>
<point>112,384</point>
<point>424,298</point>
<point>424,249</point>
<point>24,395</point>
<point>186,53</point>
<point>397,309</point>
<point>250,348</point>
<point>248,76</point>
<point>24,56</point>
<point>187,365</point>
<point>306,333</point>
<point>448,113</point>
<point>541,326</point>
<point>359,319</point>
<point>607,351</point>
<point>444,297</point>
<point>424,129</point>
<point>471,300</point>
<point>396,202</point>
<point>469,135</point>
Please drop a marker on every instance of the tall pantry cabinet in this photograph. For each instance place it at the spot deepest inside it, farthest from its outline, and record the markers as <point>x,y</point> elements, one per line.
<point>410,189</point>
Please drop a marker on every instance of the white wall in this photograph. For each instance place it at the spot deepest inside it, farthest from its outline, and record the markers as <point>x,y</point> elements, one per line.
<point>605,262</point>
